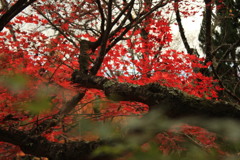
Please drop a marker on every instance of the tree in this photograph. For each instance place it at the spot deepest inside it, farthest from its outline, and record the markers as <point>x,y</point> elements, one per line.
<point>82,63</point>
<point>225,57</point>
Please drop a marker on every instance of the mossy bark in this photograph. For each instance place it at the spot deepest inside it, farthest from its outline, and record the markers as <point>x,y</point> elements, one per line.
<point>173,102</point>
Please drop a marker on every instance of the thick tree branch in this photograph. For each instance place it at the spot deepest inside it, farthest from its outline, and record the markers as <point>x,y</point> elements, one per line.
<point>208,33</point>
<point>41,147</point>
<point>19,6</point>
<point>174,102</point>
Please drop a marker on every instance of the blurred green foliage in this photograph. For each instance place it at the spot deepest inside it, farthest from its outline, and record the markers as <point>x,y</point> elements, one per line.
<point>15,82</point>
<point>129,140</point>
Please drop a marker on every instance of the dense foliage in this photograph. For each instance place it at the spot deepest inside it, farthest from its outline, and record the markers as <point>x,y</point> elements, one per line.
<point>86,80</point>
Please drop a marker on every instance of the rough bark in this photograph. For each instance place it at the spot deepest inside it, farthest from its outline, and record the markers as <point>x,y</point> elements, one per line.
<point>39,146</point>
<point>31,142</point>
<point>173,102</point>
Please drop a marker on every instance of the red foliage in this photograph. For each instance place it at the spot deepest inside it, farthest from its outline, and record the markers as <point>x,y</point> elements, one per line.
<point>47,63</point>
<point>171,141</point>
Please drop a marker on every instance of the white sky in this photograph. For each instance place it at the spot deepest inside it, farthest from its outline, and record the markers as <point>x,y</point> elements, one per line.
<point>192,27</point>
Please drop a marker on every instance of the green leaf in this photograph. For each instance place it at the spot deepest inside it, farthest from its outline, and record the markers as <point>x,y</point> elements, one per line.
<point>40,104</point>
<point>15,83</point>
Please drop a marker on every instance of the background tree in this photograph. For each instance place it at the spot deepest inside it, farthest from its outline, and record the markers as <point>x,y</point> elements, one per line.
<point>224,35</point>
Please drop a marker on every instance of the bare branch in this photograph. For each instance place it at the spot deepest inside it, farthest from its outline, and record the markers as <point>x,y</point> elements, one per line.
<point>56,28</point>
<point>181,29</point>
<point>68,107</point>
